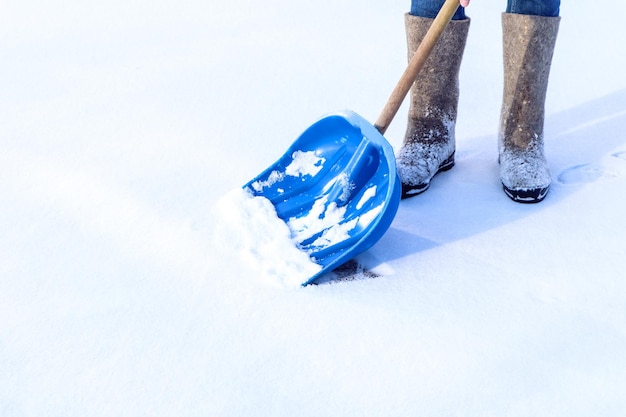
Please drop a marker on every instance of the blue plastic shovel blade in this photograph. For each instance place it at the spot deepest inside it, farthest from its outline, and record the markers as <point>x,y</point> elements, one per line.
<point>336,188</point>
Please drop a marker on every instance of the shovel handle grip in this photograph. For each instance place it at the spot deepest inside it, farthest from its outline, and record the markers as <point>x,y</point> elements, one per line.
<point>415,65</point>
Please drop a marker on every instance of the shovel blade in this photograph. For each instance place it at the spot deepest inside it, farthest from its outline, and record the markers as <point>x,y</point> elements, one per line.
<point>336,188</point>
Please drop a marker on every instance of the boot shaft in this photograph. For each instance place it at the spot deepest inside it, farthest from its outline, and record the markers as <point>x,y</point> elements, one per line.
<point>435,92</point>
<point>528,46</point>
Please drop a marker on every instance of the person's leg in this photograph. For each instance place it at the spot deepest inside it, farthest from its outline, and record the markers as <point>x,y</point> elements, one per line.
<point>528,45</point>
<point>429,142</point>
<point>430,8</point>
<point>546,8</point>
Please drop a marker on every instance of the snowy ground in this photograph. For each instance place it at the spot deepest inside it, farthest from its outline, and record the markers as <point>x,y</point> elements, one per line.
<point>123,123</point>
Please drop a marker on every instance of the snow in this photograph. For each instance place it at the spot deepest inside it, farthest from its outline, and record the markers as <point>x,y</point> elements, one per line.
<point>324,214</point>
<point>248,228</point>
<point>367,195</point>
<point>126,128</point>
<point>302,164</point>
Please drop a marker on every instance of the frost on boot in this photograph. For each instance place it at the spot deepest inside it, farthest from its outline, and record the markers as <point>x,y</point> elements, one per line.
<point>428,149</point>
<point>524,173</point>
<point>429,142</point>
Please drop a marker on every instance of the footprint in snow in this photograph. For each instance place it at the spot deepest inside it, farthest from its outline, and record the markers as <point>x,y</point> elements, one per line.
<point>620,155</point>
<point>586,173</point>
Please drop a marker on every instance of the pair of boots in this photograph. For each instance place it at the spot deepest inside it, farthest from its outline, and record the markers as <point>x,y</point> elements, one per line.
<point>429,144</point>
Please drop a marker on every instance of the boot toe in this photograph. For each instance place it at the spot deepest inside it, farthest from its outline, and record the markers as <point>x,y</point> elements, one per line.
<point>526,196</point>
<point>525,176</point>
<point>418,163</point>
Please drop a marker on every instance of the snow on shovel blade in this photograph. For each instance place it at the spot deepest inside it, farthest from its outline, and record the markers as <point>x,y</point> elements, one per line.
<point>336,188</point>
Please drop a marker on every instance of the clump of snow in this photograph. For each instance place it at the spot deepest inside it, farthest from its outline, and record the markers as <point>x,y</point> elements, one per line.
<point>303,163</point>
<point>250,225</point>
<point>322,215</point>
<point>346,185</point>
<point>340,232</point>
<point>367,195</point>
<point>368,217</point>
<point>328,219</point>
<point>274,177</point>
<point>335,234</point>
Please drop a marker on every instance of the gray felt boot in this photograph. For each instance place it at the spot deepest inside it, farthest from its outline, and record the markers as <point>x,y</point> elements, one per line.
<point>429,143</point>
<point>528,48</point>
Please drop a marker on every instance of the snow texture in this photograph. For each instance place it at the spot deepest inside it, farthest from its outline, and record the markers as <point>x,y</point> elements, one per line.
<point>525,169</point>
<point>124,128</point>
<point>255,234</point>
<point>419,160</point>
<point>302,164</point>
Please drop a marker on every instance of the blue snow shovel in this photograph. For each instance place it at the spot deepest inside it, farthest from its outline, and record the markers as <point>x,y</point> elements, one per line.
<point>336,187</point>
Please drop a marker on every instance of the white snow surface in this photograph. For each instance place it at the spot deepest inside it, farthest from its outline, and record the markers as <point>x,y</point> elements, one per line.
<point>124,124</point>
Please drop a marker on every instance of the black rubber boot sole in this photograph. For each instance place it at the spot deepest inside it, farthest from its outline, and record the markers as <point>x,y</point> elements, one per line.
<point>413,190</point>
<point>535,195</point>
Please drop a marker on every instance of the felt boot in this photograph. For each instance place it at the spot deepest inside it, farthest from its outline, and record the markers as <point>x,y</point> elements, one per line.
<point>429,142</point>
<point>528,47</point>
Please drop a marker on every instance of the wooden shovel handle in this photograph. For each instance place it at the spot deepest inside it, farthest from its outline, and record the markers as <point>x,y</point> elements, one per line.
<point>415,65</point>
